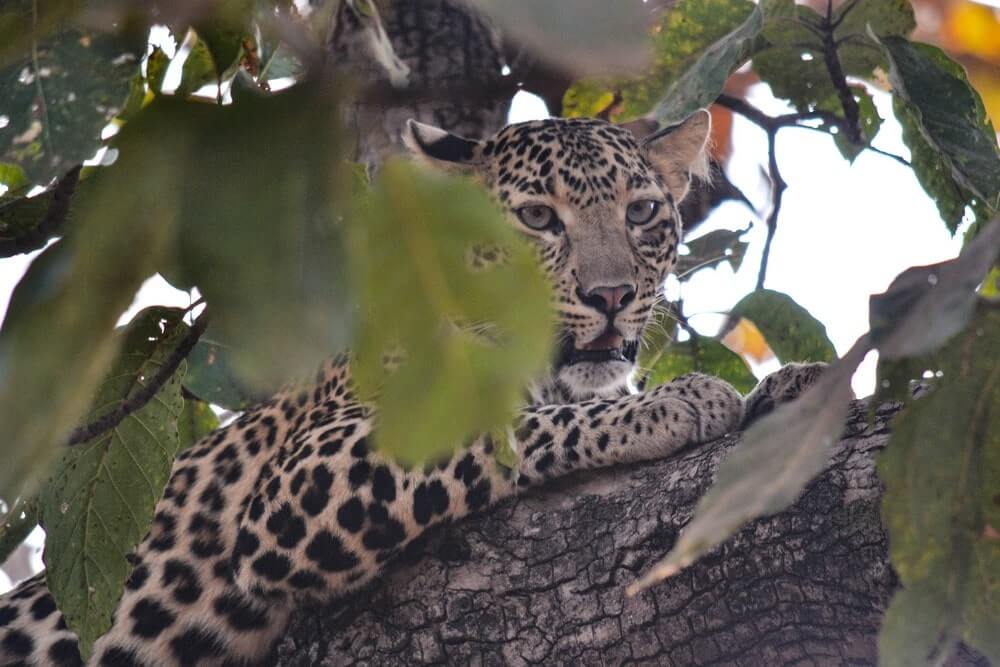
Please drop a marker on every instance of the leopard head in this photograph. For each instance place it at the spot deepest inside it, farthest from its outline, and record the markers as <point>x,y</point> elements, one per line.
<point>602,208</point>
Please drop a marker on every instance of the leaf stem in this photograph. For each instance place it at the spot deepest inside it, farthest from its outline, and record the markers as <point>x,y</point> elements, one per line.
<point>138,400</point>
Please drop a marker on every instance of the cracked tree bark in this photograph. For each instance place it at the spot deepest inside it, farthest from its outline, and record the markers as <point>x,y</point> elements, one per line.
<point>540,579</point>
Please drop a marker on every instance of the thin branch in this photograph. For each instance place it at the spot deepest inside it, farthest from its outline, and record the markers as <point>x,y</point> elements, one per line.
<point>831,58</point>
<point>136,402</point>
<point>778,186</point>
<point>51,222</point>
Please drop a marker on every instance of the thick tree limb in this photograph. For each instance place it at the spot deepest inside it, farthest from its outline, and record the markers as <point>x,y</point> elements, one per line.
<point>541,579</point>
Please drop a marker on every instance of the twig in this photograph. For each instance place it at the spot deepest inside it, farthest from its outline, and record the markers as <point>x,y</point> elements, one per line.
<point>136,402</point>
<point>51,222</point>
<point>778,186</point>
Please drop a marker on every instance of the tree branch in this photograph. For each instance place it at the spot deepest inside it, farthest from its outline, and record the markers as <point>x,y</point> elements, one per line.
<point>540,579</point>
<point>137,401</point>
<point>51,222</point>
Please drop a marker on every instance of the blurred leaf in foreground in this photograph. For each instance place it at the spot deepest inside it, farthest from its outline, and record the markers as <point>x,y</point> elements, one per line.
<point>458,268</point>
<point>942,476</point>
<point>58,330</point>
<point>679,36</point>
<point>580,36</point>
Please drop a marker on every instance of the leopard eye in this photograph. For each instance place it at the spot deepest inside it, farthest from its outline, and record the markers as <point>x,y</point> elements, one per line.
<point>536,217</point>
<point>642,211</point>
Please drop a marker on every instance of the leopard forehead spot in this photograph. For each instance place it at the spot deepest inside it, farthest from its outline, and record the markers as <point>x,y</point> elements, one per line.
<point>579,161</point>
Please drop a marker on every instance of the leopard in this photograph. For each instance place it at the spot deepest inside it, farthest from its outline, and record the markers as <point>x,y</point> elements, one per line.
<point>290,502</point>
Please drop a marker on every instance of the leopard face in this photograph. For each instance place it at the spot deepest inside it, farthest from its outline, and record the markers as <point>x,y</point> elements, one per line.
<point>602,209</point>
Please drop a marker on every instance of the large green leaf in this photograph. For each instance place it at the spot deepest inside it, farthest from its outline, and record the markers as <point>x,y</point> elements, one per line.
<point>56,343</point>
<point>99,501</point>
<point>791,59</point>
<point>429,252</point>
<point>789,329</point>
<point>954,145</point>
<point>942,475</point>
<point>679,36</point>
<point>59,96</point>
<point>260,236</point>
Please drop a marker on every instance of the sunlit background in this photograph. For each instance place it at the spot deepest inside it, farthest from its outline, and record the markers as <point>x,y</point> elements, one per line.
<point>845,230</point>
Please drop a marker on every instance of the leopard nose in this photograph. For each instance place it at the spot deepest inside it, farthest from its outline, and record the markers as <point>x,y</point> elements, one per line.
<point>608,300</point>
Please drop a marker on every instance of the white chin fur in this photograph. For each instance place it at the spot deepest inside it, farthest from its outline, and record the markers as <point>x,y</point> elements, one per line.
<point>588,378</point>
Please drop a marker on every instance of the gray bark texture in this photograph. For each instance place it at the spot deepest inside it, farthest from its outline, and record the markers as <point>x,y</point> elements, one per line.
<point>540,579</point>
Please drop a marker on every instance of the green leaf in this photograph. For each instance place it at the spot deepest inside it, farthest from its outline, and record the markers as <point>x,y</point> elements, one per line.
<point>260,237</point>
<point>57,343</point>
<point>701,83</point>
<point>58,102</point>
<point>17,524</point>
<point>680,35</point>
<point>791,60</point>
<point>581,36</point>
<point>211,378</point>
<point>926,305</point>
<point>942,475</point>
<point>789,329</point>
<point>780,454</point>
<point>712,249</point>
<point>704,355</point>
<point>954,145</point>
<point>195,422</point>
<point>429,252</point>
<point>98,503</point>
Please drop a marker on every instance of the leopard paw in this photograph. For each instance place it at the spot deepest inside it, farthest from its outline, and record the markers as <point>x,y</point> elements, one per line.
<point>784,385</point>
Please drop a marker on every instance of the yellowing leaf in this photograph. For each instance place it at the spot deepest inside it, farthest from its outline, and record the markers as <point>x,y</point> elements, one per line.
<point>975,29</point>
<point>746,340</point>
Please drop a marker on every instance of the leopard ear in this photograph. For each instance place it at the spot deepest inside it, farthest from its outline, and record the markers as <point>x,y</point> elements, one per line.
<point>679,152</point>
<point>440,148</point>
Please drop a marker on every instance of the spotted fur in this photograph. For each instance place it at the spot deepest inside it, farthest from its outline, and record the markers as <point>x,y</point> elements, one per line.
<point>290,501</point>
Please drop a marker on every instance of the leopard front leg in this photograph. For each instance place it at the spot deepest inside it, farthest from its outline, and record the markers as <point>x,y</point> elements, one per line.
<point>558,439</point>
<point>334,510</point>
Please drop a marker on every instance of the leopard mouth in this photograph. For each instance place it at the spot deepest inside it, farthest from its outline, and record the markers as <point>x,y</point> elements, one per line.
<point>609,346</point>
